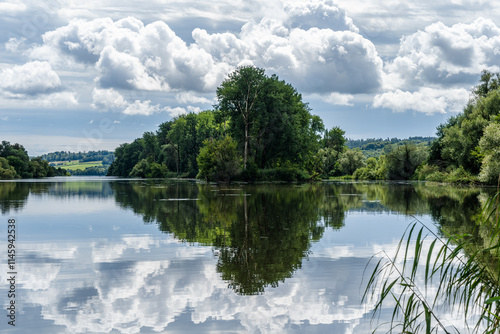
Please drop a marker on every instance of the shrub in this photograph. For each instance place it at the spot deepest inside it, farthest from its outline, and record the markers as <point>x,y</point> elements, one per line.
<point>218,160</point>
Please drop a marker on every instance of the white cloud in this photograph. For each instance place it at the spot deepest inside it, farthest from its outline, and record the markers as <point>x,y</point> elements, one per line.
<point>442,55</point>
<point>435,64</point>
<point>174,112</point>
<point>122,70</point>
<point>14,44</point>
<point>324,14</point>
<point>319,46</point>
<point>8,7</point>
<point>129,54</point>
<point>426,100</point>
<point>141,108</point>
<point>32,78</point>
<point>60,99</point>
<point>339,99</point>
<point>192,97</point>
<point>104,99</point>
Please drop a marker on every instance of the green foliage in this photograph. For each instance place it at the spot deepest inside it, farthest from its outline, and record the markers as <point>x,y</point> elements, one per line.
<point>467,277</point>
<point>147,169</point>
<point>239,99</point>
<point>16,163</point>
<point>334,139</point>
<point>375,169</point>
<point>287,174</point>
<point>106,157</point>
<point>458,142</point>
<point>127,156</point>
<point>94,170</point>
<point>351,160</point>
<point>372,147</point>
<point>268,119</point>
<point>140,169</point>
<point>402,161</point>
<point>329,161</point>
<point>490,150</point>
<point>6,170</point>
<point>272,127</point>
<point>173,148</point>
<point>489,82</point>
<point>433,173</point>
<point>218,160</point>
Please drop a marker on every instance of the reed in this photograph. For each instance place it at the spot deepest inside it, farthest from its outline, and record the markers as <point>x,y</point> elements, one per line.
<point>428,274</point>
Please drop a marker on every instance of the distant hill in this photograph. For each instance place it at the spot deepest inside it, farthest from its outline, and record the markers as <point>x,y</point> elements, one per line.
<point>374,147</point>
<point>107,157</point>
<point>81,163</point>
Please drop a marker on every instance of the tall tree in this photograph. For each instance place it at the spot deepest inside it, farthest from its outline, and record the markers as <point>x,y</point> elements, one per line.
<point>335,139</point>
<point>269,119</point>
<point>403,160</point>
<point>238,95</point>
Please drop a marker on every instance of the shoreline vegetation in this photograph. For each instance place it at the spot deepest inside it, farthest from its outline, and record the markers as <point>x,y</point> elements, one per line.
<point>261,130</point>
<point>462,260</point>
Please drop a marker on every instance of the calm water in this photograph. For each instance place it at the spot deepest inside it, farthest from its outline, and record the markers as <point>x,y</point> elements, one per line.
<point>99,255</point>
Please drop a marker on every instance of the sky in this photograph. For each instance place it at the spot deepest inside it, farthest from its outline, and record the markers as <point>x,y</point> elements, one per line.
<point>91,75</point>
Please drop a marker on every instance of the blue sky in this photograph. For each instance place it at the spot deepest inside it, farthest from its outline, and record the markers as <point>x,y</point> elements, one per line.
<point>91,75</point>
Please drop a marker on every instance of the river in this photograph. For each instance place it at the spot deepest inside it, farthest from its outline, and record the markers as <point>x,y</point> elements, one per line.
<point>110,255</point>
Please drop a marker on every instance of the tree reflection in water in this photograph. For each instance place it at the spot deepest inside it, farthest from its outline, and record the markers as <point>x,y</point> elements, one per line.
<point>260,233</point>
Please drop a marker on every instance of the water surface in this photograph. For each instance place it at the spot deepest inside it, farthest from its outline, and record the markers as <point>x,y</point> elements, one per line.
<point>104,255</point>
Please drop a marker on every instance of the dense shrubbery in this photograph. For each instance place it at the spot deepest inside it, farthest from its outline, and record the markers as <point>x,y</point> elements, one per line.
<point>218,160</point>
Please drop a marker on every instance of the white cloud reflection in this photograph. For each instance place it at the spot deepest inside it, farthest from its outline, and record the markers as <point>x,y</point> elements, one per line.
<point>140,282</point>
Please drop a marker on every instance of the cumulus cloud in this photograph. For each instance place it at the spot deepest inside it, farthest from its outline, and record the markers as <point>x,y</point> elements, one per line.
<point>442,55</point>
<point>426,100</point>
<point>330,56</point>
<point>111,100</point>
<point>32,78</point>
<point>139,107</point>
<point>174,112</point>
<point>437,58</point>
<point>323,14</point>
<point>60,99</point>
<point>122,70</point>
<point>35,84</point>
<point>314,60</point>
<point>106,99</point>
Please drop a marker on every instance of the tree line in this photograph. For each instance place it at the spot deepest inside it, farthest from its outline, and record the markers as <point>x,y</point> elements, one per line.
<point>106,157</point>
<point>260,129</point>
<point>15,163</point>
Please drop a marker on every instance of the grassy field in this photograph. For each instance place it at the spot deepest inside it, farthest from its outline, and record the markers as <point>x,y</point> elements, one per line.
<point>73,165</point>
